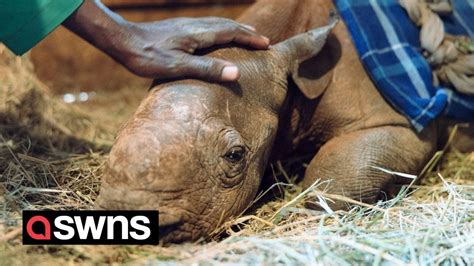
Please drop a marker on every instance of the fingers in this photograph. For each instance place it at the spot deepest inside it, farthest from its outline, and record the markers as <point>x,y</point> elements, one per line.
<point>250,38</point>
<point>207,68</point>
<point>226,31</point>
<point>180,64</point>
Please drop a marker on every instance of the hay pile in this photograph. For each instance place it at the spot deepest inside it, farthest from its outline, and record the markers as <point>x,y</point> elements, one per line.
<point>51,156</point>
<point>50,152</point>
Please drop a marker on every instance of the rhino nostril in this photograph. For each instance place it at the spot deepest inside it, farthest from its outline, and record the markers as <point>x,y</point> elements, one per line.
<point>168,223</point>
<point>167,229</point>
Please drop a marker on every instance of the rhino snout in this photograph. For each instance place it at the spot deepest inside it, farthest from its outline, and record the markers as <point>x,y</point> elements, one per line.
<point>171,219</point>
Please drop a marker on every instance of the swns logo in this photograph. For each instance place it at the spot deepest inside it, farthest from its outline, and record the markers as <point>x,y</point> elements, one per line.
<point>90,227</point>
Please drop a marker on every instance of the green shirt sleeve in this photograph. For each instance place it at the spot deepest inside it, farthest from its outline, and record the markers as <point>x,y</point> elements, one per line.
<point>24,23</point>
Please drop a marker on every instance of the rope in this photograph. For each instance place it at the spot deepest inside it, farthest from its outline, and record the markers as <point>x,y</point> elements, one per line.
<point>451,57</point>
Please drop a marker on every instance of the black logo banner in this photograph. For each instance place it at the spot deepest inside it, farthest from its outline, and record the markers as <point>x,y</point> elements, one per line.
<point>90,227</point>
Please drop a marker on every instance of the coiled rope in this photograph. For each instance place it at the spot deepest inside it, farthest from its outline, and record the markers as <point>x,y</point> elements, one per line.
<point>451,57</point>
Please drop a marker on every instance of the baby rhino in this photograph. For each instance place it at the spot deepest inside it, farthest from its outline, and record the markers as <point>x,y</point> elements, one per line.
<point>197,151</point>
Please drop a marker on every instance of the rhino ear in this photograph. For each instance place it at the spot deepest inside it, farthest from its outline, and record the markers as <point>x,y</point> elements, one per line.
<point>310,73</point>
<point>313,76</point>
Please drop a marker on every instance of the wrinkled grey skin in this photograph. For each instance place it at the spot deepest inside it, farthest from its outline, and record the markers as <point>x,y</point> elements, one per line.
<point>197,151</point>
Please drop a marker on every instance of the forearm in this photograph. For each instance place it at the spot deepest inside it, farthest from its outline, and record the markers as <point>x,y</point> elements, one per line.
<point>99,26</point>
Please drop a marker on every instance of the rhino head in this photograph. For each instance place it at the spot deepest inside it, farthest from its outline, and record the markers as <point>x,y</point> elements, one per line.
<point>196,151</point>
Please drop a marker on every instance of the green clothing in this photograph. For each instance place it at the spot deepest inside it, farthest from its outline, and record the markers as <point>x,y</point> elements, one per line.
<point>24,23</point>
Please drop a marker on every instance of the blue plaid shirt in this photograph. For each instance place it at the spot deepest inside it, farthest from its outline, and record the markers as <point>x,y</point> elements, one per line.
<point>388,44</point>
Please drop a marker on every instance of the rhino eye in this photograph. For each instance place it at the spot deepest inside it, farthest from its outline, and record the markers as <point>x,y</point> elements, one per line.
<point>235,154</point>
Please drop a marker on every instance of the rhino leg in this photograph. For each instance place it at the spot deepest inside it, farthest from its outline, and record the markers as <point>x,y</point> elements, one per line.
<point>348,161</point>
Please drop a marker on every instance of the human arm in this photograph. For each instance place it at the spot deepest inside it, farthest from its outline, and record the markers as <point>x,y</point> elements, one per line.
<point>162,49</point>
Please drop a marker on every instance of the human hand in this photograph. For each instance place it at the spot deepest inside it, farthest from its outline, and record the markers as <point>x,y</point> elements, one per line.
<point>165,49</point>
